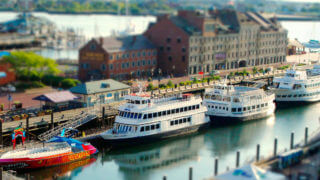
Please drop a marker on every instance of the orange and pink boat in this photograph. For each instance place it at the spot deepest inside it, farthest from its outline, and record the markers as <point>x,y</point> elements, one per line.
<point>57,151</point>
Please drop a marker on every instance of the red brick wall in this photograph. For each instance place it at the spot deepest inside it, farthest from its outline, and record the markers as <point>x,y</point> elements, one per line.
<point>11,76</point>
<point>95,58</point>
<point>158,34</point>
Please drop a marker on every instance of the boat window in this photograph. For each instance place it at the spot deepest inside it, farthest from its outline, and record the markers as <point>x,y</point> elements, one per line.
<point>184,120</point>
<point>177,110</point>
<point>223,108</point>
<point>180,121</point>
<point>171,123</point>
<point>193,107</point>
<point>266,104</point>
<point>239,109</point>
<point>189,119</point>
<point>147,128</point>
<point>121,113</point>
<point>164,113</point>
<point>128,114</point>
<point>176,122</point>
<point>131,115</point>
<point>262,105</point>
<point>206,96</point>
<point>148,100</point>
<point>213,97</point>
<point>155,115</point>
<point>219,98</point>
<point>185,108</point>
<point>289,95</point>
<point>189,108</point>
<point>227,109</point>
<point>236,99</point>
<point>137,102</point>
<point>124,114</point>
<point>143,102</point>
<point>152,127</point>
<point>168,112</point>
<point>295,95</point>
<point>283,96</point>
<point>142,129</point>
<point>219,107</point>
<point>145,116</point>
<point>249,108</point>
<point>216,107</point>
<point>258,106</point>
<point>158,126</point>
<point>197,106</point>
<point>159,114</point>
<point>135,115</point>
<point>278,96</point>
<point>253,107</point>
<point>129,129</point>
<point>140,115</point>
<point>149,115</point>
<point>181,109</point>
<point>172,111</point>
<point>244,109</point>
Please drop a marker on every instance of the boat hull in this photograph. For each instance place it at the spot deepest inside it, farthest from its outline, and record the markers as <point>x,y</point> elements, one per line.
<point>223,120</point>
<point>42,162</point>
<point>100,141</point>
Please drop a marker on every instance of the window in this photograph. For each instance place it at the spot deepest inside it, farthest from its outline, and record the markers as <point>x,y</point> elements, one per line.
<point>159,114</point>
<point>170,58</point>
<point>144,116</point>
<point>152,127</point>
<point>177,110</point>
<point>171,123</point>
<point>239,109</point>
<point>111,66</point>
<point>197,106</point>
<point>189,108</point>
<point>185,108</point>
<point>178,40</point>
<point>189,119</point>
<point>168,40</point>
<point>142,129</point>
<point>176,122</point>
<point>155,114</point>
<point>193,107</point>
<point>172,111</point>
<point>181,109</point>
<point>150,115</point>
<point>168,112</point>
<point>147,128</point>
<point>164,113</point>
<point>158,126</point>
<point>233,110</point>
<point>139,117</point>
<point>184,120</point>
<point>135,115</point>
<point>169,48</point>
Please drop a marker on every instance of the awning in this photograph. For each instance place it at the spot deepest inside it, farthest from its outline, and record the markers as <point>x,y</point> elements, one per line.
<point>57,97</point>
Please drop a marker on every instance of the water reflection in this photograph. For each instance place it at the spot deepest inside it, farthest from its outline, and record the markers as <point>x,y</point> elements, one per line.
<point>138,162</point>
<point>67,170</point>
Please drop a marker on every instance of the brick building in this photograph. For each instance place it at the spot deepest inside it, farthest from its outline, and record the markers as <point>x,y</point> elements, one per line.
<point>117,57</point>
<point>7,74</point>
<point>193,42</point>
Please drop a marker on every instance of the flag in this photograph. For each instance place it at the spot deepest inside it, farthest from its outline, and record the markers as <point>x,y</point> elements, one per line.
<point>200,72</point>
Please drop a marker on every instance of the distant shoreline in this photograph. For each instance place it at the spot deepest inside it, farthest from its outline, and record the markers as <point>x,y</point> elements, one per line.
<point>80,13</point>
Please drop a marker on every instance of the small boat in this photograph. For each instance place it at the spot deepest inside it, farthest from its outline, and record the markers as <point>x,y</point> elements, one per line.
<point>56,151</point>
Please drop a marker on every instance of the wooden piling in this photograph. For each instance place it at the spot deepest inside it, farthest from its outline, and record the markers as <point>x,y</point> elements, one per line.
<point>292,140</point>
<point>190,173</point>
<point>52,125</point>
<point>238,159</point>
<point>216,162</point>
<point>306,136</point>
<point>164,178</point>
<point>27,127</point>
<point>103,112</point>
<point>275,147</point>
<point>1,138</point>
<point>258,153</point>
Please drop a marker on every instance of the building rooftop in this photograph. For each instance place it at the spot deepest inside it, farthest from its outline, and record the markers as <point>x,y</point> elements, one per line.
<point>93,87</point>
<point>57,97</point>
<point>117,44</point>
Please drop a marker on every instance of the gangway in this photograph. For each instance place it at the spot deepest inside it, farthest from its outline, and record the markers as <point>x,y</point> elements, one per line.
<point>73,123</point>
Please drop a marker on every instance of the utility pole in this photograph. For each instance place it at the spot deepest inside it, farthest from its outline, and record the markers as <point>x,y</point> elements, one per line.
<point>127,7</point>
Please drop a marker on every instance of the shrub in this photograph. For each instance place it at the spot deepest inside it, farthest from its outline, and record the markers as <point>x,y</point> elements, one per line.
<point>150,87</point>
<point>170,84</point>
<point>29,85</point>
<point>182,83</point>
<point>69,83</point>
<point>254,70</point>
<point>149,79</point>
<point>162,86</point>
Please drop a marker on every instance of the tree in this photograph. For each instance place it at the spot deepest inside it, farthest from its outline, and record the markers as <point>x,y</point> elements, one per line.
<point>150,87</point>
<point>29,64</point>
<point>170,84</point>
<point>69,83</point>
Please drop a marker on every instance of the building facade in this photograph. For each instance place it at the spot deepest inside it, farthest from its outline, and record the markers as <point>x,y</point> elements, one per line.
<point>100,92</point>
<point>193,42</point>
<point>117,57</point>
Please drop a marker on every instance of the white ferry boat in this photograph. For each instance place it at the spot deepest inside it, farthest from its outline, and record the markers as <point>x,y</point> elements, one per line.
<point>298,86</point>
<point>144,118</point>
<point>230,104</point>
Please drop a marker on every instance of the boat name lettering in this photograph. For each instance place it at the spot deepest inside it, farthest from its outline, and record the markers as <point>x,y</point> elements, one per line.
<point>79,155</point>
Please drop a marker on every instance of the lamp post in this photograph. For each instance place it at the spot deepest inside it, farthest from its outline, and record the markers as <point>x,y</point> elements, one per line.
<point>173,68</point>
<point>159,74</point>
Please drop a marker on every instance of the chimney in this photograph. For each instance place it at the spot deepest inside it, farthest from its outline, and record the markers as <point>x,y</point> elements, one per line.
<point>101,40</point>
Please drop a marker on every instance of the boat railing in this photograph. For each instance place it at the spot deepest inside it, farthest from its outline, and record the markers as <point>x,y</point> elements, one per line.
<point>168,101</point>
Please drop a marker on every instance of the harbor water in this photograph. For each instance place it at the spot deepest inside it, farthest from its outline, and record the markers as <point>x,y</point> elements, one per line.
<point>105,25</point>
<point>173,157</point>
